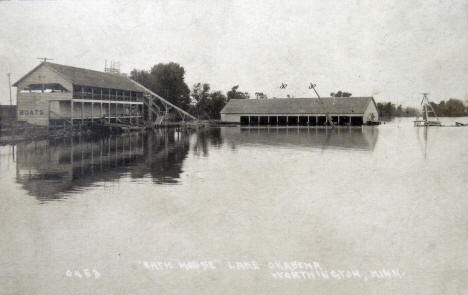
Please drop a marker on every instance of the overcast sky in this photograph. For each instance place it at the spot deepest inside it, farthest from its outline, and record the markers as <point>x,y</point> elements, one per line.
<point>392,50</point>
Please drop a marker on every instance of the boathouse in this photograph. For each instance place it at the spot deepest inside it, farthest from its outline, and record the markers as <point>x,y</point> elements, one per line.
<point>57,94</point>
<point>352,111</point>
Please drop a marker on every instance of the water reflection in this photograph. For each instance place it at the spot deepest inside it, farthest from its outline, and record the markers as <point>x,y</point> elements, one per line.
<point>52,169</point>
<point>48,169</point>
<point>207,138</point>
<point>164,156</point>
<point>350,138</point>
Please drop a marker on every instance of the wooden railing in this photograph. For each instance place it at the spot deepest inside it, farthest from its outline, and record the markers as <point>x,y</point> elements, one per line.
<point>98,96</point>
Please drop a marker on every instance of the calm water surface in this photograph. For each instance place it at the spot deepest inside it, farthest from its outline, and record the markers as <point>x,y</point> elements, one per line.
<point>388,197</point>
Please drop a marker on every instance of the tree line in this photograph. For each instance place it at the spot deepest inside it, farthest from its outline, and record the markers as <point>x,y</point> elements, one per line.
<point>388,109</point>
<point>450,108</point>
<point>168,80</point>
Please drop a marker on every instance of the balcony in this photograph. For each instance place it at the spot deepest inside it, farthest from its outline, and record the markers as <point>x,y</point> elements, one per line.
<point>99,96</point>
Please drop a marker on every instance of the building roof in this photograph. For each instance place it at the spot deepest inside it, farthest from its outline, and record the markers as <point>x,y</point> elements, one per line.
<point>85,77</point>
<point>342,105</point>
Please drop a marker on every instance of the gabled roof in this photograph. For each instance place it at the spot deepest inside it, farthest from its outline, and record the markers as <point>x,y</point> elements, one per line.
<point>85,77</point>
<point>341,105</point>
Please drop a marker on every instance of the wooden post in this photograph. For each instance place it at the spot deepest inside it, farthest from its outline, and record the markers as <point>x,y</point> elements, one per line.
<point>71,150</point>
<point>350,120</point>
<point>82,118</point>
<point>150,111</point>
<point>92,158</point>
<point>109,107</point>
<point>140,111</point>
<point>116,147</point>
<point>92,111</point>
<point>101,147</point>
<point>71,115</point>
<point>100,98</point>
<point>48,113</point>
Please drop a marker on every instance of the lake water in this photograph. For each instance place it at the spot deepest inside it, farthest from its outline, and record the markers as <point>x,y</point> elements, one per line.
<point>371,210</point>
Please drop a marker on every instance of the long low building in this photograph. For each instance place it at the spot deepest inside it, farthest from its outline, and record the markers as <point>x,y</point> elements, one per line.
<point>52,93</point>
<point>353,111</point>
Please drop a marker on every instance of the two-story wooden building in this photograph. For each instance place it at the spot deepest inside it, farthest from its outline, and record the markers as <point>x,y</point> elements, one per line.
<point>56,94</point>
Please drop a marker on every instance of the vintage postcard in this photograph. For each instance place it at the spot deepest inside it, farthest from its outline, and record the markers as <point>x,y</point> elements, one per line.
<point>233,147</point>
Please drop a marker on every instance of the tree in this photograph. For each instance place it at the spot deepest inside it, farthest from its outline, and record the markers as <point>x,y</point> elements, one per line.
<point>216,104</point>
<point>455,107</point>
<point>452,107</point>
<point>260,95</point>
<point>399,110</point>
<point>207,104</point>
<point>386,109</point>
<point>234,94</point>
<point>166,80</point>
<point>440,109</point>
<point>341,94</point>
<point>200,94</point>
<point>411,112</point>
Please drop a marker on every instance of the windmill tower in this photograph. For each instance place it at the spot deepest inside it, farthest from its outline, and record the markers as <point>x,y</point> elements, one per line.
<point>427,110</point>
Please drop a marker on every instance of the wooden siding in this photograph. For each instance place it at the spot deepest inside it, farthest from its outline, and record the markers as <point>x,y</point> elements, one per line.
<point>34,107</point>
<point>44,75</point>
<point>371,113</point>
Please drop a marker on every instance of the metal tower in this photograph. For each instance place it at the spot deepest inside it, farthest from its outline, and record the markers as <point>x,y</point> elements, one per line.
<point>427,110</point>
<point>329,118</point>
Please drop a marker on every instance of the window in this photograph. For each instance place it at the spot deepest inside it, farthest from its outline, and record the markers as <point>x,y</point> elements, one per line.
<point>43,88</point>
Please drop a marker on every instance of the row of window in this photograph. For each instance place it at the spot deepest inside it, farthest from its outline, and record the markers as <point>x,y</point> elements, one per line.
<point>80,92</point>
<point>299,120</point>
<point>95,91</point>
<point>43,88</point>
